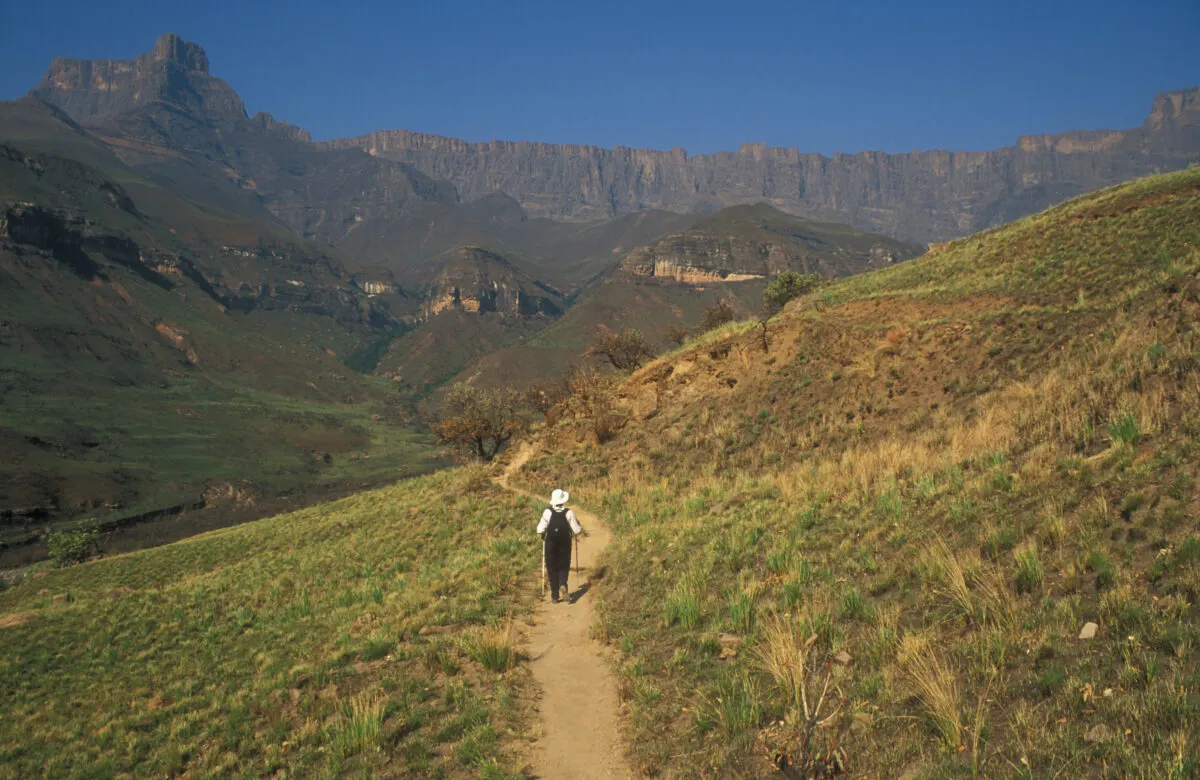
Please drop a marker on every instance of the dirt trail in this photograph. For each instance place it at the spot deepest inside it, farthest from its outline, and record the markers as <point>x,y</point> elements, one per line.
<point>578,709</point>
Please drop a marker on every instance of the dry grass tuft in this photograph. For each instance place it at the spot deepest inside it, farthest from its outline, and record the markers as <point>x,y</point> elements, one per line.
<point>937,688</point>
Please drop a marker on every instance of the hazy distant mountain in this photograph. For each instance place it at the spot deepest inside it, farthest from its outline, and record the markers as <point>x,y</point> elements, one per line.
<point>746,242</point>
<point>174,71</point>
<point>918,196</point>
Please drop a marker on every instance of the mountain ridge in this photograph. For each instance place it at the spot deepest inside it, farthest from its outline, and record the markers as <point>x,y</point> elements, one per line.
<point>757,241</point>
<point>871,190</point>
<point>920,196</point>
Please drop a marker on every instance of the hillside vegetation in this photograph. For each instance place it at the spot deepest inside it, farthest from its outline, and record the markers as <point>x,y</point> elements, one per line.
<point>878,545</point>
<point>155,348</point>
<point>368,637</point>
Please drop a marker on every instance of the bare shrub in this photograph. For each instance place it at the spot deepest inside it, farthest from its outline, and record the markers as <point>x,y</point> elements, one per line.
<point>477,421</point>
<point>548,394</point>
<point>593,400</point>
<point>717,315</point>
<point>807,743</point>
<point>625,349</point>
<point>677,334</point>
<point>787,286</point>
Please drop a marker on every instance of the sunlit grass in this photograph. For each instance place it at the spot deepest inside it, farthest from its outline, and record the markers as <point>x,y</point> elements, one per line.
<point>943,515</point>
<point>293,642</point>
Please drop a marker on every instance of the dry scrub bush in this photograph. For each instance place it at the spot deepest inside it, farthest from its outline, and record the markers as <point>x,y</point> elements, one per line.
<point>593,400</point>
<point>625,350</point>
<point>477,422</point>
<point>717,315</point>
<point>816,717</point>
<point>548,394</point>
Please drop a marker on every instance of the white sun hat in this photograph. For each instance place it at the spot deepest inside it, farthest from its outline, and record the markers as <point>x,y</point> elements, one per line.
<point>558,498</point>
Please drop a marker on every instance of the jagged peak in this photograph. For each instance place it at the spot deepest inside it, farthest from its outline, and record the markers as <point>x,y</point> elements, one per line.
<point>1169,106</point>
<point>91,90</point>
<point>171,48</point>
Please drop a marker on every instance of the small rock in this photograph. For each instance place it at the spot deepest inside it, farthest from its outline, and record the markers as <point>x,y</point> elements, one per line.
<point>727,652</point>
<point>862,722</point>
<point>914,772</point>
<point>843,658</point>
<point>60,598</point>
<point>434,630</point>
<point>1089,631</point>
<point>1099,733</point>
<point>730,640</point>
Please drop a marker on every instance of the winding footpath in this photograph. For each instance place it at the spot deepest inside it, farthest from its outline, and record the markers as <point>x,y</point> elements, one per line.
<point>580,738</point>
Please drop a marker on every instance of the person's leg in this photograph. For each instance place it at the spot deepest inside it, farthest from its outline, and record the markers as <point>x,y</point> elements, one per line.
<point>555,565</point>
<point>560,582</point>
<point>566,570</point>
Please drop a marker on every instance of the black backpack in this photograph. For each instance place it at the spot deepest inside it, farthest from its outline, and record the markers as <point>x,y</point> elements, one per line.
<point>559,529</point>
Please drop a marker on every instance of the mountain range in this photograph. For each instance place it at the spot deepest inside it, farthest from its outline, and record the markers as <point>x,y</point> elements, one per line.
<point>921,196</point>
<point>165,255</point>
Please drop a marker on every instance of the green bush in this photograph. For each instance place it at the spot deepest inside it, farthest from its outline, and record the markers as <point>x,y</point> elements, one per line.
<point>1125,430</point>
<point>854,607</point>
<point>683,606</point>
<point>741,613</point>
<point>1050,680</point>
<point>1030,574</point>
<point>74,546</point>
<point>1102,566</point>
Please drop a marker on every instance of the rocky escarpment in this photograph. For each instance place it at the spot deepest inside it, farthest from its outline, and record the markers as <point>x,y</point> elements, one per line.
<point>175,71</point>
<point>918,196</point>
<point>88,250</point>
<point>478,281</point>
<point>164,104</point>
<point>334,192</point>
<point>749,242</point>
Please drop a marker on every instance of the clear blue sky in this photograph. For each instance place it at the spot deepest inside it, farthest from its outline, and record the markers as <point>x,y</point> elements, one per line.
<point>821,76</point>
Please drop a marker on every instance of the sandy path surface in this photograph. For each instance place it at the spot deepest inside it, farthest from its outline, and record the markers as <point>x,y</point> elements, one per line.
<point>580,738</point>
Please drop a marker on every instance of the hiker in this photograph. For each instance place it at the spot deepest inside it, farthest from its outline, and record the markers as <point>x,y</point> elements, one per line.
<point>557,528</point>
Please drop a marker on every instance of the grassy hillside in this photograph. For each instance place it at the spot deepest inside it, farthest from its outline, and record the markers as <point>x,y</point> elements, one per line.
<point>761,240</point>
<point>368,637</point>
<point>876,546</point>
<point>413,244</point>
<point>618,301</point>
<point>154,347</point>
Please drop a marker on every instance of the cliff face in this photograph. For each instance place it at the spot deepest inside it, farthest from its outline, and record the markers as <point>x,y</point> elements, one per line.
<point>166,97</point>
<point>749,242</point>
<point>164,104</point>
<point>478,281</point>
<point>175,71</point>
<point>919,196</point>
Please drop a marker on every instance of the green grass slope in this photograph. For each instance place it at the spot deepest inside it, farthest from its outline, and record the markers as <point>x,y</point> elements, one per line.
<point>619,300</point>
<point>130,386</point>
<point>875,547</point>
<point>367,637</point>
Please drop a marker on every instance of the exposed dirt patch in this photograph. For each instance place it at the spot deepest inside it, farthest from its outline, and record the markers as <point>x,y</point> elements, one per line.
<point>15,619</point>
